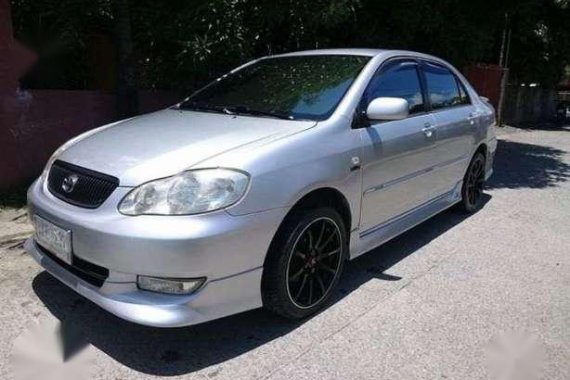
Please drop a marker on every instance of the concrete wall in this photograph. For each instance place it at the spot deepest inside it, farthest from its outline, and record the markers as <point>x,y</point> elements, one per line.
<point>524,104</point>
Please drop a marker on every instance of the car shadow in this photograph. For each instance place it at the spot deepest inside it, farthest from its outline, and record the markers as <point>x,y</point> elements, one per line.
<point>178,351</point>
<point>519,165</point>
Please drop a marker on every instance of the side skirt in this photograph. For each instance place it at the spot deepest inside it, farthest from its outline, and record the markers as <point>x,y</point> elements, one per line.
<point>380,234</point>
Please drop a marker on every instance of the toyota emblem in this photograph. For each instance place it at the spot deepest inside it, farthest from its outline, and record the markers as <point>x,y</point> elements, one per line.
<point>69,183</point>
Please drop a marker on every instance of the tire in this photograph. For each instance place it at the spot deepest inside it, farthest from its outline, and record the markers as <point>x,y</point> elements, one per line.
<point>473,183</point>
<point>297,279</point>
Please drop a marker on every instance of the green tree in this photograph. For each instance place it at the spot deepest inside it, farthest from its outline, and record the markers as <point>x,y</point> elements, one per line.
<point>178,44</point>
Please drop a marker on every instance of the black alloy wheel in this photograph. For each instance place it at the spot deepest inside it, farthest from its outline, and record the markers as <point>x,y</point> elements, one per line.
<point>304,263</point>
<point>314,262</point>
<point>473,184</point>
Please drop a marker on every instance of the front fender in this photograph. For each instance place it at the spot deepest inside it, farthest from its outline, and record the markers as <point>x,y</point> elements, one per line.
<point>284,171</point>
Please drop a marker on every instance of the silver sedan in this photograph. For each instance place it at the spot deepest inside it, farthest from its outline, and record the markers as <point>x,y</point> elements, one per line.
<point>256,189</point>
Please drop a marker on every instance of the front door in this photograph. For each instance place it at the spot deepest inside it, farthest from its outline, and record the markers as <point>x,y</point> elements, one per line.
<point>398,156</point>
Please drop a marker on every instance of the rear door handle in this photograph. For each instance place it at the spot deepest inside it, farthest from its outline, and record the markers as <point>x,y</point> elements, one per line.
<point>471,118</point>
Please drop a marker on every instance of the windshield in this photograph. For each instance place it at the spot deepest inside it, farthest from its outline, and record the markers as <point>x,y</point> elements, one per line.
<point>296,87</point>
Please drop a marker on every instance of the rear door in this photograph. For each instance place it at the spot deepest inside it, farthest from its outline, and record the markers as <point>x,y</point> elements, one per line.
<point>455,121</point>
<point>397,155</point>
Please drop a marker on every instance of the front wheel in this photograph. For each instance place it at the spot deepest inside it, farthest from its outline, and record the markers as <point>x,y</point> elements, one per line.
<point>473,182</point>
<point>304,263</point>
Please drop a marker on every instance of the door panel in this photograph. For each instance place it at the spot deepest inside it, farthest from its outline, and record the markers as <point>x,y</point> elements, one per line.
<point>455,139</point>
<point>455,124</point>
<point>397,173</point>
<point>398,156</point>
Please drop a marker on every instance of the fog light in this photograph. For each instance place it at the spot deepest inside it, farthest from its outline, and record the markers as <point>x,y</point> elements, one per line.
<point>170,285</point>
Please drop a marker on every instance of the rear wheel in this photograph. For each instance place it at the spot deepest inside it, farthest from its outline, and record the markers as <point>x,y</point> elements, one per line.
<point>473,183</point>
<point>304,263</point>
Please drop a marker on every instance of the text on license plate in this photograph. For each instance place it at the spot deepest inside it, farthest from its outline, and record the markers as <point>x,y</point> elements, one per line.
<point>53,238</point>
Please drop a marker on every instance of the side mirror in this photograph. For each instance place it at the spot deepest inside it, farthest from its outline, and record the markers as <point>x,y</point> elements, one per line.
<point>388,109</point>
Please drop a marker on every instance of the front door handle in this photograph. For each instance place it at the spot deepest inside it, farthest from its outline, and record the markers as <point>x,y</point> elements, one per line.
<point>354,163</point>
<point>428,130</point>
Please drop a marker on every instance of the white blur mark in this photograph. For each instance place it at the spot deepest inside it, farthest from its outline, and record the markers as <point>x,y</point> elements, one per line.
<point>49,351</point>
<point>514,356</point>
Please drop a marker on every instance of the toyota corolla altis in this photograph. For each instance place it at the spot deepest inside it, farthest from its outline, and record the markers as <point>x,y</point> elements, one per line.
<point>256,189</point>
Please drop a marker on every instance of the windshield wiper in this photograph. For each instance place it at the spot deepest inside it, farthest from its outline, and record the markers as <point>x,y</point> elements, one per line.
<point>244,110</point>
<point>189,105</point>
<point>233,110</point>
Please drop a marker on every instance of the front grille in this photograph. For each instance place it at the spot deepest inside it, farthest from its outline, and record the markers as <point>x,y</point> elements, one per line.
<point>80,186</point>
<point>89,272</point>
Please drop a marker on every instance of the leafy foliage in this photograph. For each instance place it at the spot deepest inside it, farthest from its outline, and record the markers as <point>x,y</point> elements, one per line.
<point>181,44</point>
<point>57,31</point>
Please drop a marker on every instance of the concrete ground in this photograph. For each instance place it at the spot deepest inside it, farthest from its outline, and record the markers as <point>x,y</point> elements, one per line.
<point>427,305</point>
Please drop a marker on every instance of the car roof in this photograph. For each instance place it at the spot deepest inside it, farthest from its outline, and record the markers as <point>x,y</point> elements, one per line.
<point>360,52</point>
<point>352,51</point>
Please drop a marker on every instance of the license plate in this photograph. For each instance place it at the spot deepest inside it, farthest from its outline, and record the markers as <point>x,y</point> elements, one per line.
<point>53,238</point>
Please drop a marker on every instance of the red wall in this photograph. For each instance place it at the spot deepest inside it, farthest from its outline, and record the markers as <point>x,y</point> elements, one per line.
<point>34,123</point>
<point>486,79</point>
<point>14,59</point>
<point>42,120</point>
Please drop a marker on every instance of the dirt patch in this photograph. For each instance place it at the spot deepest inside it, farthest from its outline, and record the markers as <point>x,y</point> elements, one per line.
<point>15,227</point>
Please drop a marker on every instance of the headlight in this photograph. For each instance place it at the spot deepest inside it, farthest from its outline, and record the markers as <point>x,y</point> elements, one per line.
<point>191,192</point>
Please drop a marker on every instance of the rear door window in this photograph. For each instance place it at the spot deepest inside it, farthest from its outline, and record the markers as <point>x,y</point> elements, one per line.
<point>442,87</point>
<point>464,98</point>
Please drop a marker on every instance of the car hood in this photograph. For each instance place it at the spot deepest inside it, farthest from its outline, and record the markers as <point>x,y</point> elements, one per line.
<point>164,143</point>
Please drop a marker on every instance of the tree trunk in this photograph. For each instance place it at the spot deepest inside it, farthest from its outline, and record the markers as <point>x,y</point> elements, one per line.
<point>127,102</point>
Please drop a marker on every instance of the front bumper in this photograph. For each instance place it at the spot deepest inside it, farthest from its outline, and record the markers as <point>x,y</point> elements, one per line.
<point>228,250</point>
<point>217,299</point>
